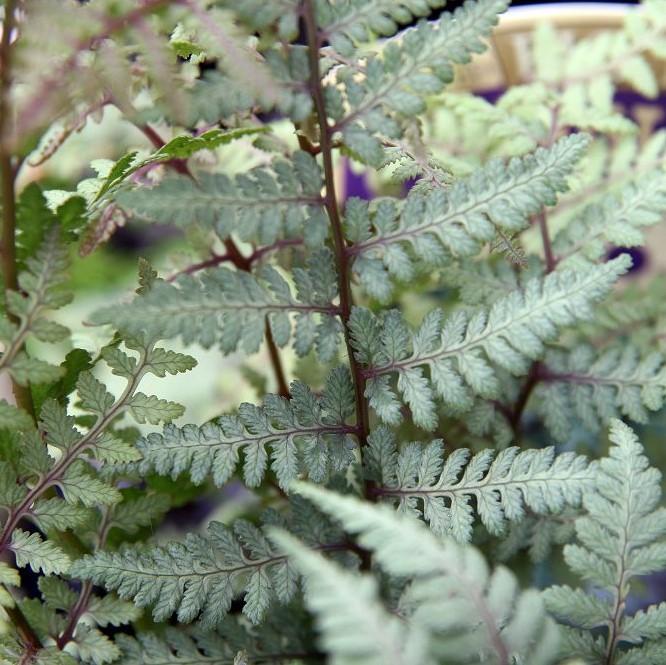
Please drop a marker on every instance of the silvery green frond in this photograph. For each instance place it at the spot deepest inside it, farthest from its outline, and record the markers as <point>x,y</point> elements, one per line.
<point>354,626</point>
<point>260,206</point>
<point>502,488</point>
<point>416,63</point>
<point>306,434</point>
<point>632,313</point>
<point>457,350</point>
<point>459,219</point>
<point>229,308</point>
<point>356,21</point>
<point>42,288</point>
<point>620,537</point>
<point>470,614</point>
<point>198,578</point>
<point>596,386</point>
<point>615,219</point>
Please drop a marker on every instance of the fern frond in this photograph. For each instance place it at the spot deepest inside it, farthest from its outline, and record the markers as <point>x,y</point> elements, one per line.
<point>229,308</point>
<point>280,635</point>
<point>614,219</point>
<point>458,220</point>
<point>199,577</point>
<point>260,205</point>
<point>510,334</point>
<point>597,387</point>
<point>416,63</point>
<point>115,180</point>
<point>347,23</point>
<point>354,626</point>
<point>42,288</point>
<point>502,488</point>
<point>621,537</point>
<point>484,282</point>
<point>305,434</point>
<point>469,613</point>
<point>72,472</point>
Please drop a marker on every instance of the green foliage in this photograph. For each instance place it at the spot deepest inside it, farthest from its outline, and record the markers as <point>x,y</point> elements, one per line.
<point>261,205</point>
<point>480,306</point>
<point>596,387</point>
<point>411,66</point>
<point>41,290</point>
<point>503,488</point>
<point>458,220</point>
<point>616,220</point>
<point>510,334</point>
<point>620,537</point>
<point>229,308</point>
<point>305,434</point>
<point>348,23</point>
<point>199,577</point>
<point>492,622</point>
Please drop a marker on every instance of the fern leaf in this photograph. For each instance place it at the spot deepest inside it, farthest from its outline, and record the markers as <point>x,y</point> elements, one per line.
<point>41,289</point>
<point>354,626</point>
<point>596,387</point>
<point>279,636</point>
<point>260,205</point>
<point>347,23</point>
<point>510,334</point>
<point>41,555</point>
<point>416,63</point>
<point>229,308</point>
<point>199,577</point>
<point>305,433</point>
<point>614,219</point>
<point>452,595</point>
<point>503,487</point>
<point>620,537</point>
<point>457,220</point>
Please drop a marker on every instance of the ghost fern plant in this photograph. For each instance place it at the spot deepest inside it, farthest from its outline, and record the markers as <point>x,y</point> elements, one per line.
<point>432,357</point>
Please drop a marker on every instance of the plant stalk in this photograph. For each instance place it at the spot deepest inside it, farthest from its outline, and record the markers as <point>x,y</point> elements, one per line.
<point>331,204</point>
<point>8,177</point>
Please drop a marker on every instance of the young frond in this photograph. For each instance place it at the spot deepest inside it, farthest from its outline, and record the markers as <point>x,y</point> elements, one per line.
<point>620,537</point>
<point>457,220</point>
<point>510,334</point>
<point>416,63</point>
<point>468,612</point>
<point>198,578</point>
<point>305,434</point>
<point>502,487</point>
<point>229,308</point>
<point>261,205</point>
<point>598,386</point>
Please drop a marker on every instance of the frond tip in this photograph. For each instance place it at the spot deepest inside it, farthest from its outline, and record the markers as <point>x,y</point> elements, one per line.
<point>452,604</point>
<point>620,537</point>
